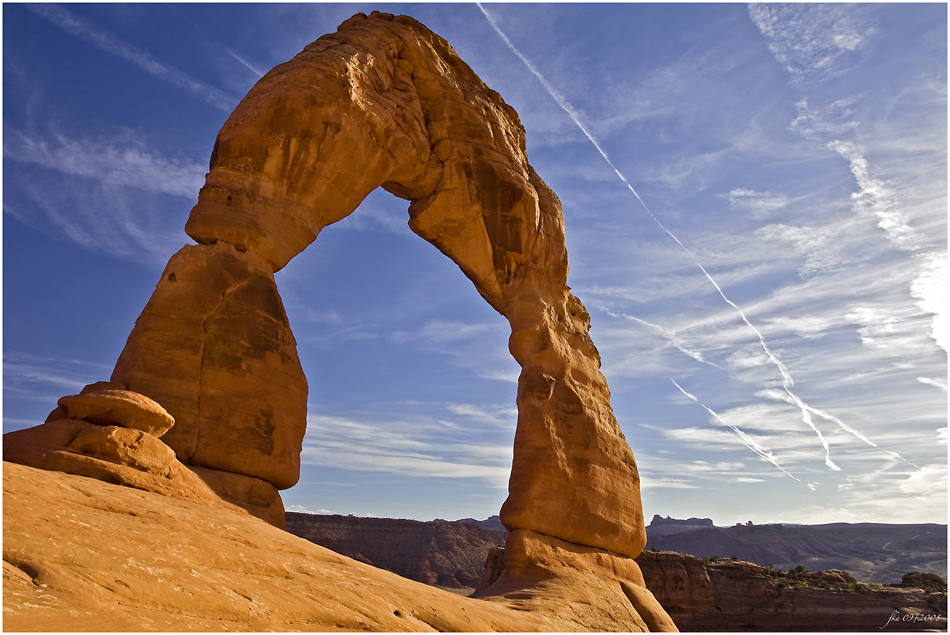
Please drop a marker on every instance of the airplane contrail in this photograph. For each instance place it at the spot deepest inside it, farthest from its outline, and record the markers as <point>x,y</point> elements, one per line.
<point>671,336</point>
<point>748,441</point>
<point>213,39</point>
<point>105,40</point>
<point>787,381</point>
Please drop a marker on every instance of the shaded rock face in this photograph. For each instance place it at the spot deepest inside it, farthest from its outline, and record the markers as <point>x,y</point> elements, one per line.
<point>384,102</point>
<point>441,553</point>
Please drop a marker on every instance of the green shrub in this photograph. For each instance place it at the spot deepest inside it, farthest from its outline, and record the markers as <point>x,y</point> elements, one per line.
<point>714,558</point>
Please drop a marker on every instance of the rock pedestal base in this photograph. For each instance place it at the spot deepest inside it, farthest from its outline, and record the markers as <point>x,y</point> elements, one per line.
<point>590,586</point>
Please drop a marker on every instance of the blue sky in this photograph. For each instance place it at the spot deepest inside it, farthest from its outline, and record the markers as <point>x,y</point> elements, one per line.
<point>770,304</point>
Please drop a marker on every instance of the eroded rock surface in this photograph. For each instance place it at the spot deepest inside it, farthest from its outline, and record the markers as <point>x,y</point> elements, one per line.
<point>214,347</point>
<point>100,557</point>
<point>120,407</point>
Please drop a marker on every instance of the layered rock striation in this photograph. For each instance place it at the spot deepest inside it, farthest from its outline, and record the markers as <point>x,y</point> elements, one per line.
<point>384,102</point>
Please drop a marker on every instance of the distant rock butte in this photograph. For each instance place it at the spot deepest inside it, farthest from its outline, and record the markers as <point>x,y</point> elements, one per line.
<point>664,526</point>
<point>383,102</point>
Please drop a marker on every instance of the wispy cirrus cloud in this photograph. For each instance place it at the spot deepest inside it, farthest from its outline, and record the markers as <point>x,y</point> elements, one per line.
<point>40,381</point>
<point>813,42</point>
<point>816,244</point>
<point>122,161</point>
<point>110,43</point>
<point>876,199</point>
<point>817,122</point>
<point>670,335</point>
<point>422,447</point>
<point>757,204</point>
<point>110,194</point>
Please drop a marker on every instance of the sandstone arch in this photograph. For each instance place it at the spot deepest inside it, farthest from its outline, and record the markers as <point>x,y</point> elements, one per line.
<point>384,102</point>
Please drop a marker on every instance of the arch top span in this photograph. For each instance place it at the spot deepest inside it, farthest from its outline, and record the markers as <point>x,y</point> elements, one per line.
<point>383,102</point>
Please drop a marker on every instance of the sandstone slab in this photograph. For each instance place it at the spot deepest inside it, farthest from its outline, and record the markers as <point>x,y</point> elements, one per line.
<point>118,407</point>
<point>193,567</point>
<point>136,459</point>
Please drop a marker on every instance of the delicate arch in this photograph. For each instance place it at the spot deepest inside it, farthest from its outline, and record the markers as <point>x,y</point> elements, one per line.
<point>382,102</point>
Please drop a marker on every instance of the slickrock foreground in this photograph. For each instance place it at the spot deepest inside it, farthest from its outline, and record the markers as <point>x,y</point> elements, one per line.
<point>208,399</point>
<point>80,554</point>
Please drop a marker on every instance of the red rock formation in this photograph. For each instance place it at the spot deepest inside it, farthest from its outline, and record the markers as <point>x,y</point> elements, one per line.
<point>384,102</point>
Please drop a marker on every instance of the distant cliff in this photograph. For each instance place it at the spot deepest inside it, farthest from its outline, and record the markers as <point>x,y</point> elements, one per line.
<point>716,594</point>
<point>441,553</point>
<point>728,595</point>
<point>660,526</point>
<point>871,552</point>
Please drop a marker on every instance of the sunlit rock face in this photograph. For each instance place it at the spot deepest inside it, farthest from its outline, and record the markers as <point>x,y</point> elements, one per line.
<point>384,102</point>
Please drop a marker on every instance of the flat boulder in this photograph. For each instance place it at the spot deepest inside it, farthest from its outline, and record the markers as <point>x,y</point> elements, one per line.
<point>122,408</point>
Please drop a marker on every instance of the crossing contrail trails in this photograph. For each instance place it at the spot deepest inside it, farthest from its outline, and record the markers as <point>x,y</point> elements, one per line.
<point>787,381</point>
<point>747,441</point>
<point>671,336</point>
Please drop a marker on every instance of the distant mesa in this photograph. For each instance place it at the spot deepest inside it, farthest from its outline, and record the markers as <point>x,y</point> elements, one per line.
<point>665,526</point>
<point>492,522</point>
<point>383,102</point>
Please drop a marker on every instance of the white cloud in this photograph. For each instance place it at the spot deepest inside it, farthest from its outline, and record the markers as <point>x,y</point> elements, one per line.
<point>758,204</point>
<point>32,374</point>
<point>813,42</point>
<point>497,415</point>
<point>748,358</point>
<point>108,42</point>
<point>931,290</point>
<point>825,121</point>
<point>304,510</point>
<point>417,448</point>
<point>648,483</point>
<point>669,334</point>
<point>934,381</point>
<point>107,194</point>
<point>876,199</point>
<point>370,217</point>
<point>877,328</point>
<point>927,482</point>
<point>816,244</point>
<point>122,161</point>
<point>450,331</point>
